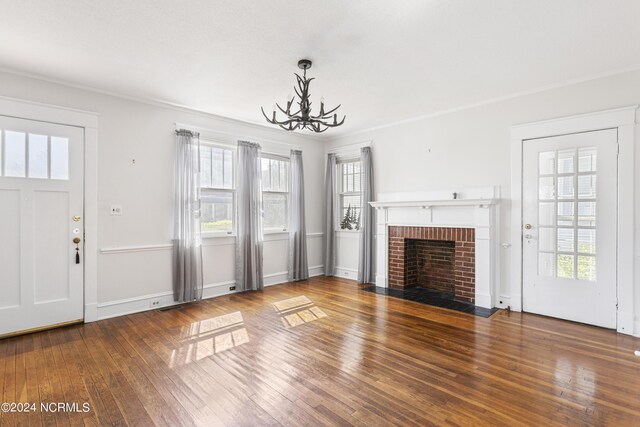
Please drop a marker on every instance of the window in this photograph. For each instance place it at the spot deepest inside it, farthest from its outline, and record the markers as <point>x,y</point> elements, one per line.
<point>275,193</point>
<point>29,155</point>
<point>349,191</point>
<point>217,195</point>
<point>567,214</point>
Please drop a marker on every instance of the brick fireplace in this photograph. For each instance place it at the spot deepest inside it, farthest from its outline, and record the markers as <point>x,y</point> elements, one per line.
<point>439,258</point>
<point>430,224</point>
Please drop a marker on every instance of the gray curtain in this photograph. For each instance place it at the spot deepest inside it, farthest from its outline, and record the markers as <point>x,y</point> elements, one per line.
<point>366,263</point>
<point>298,267</point>
<point>330,214</point>
<point>249,218</point>
<point>187,249</point>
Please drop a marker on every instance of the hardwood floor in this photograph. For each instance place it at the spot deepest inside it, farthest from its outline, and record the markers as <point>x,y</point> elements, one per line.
<point>323,352</point>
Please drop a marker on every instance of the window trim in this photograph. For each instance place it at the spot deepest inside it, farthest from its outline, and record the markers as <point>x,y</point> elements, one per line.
<point>232,190</point>
<point>279,157</point>
<point>341,194</point>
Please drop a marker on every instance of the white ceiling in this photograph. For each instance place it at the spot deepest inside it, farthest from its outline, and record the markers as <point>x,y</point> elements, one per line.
<point>385,61</point>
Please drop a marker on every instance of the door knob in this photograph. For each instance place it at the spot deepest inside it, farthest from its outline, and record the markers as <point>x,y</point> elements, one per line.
<point>528,226</point>
<point>77,241</point>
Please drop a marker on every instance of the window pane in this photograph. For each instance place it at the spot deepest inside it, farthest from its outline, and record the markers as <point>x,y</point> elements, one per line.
<point>587,187</point>
<point>565,161</point>
<point>356,181</point>
<point>565,266</point>
<point>547,188</point>
<point>216,211</point>
<point>14,154</point>
<point>565,239</point>
<point>275,176</point>
<point>217,173</point>
<point>38,156</point>
<point>547,163</point>
<point>565,213</point>
<point>587,268</point>
<point>205,166</point>
<point>565,187</point>
<point>587,160</point>
<point>547,239</point>
<point>547,213</point>
<point>350,213</point>
<point>228,169</point>
<point>587,241</point>
<point>587,214</point>
<point>546,264</point>
<point>275,211</point>
<point>266,177</point>
<point>59,158</point>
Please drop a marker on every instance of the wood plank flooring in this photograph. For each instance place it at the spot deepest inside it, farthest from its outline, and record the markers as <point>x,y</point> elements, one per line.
<point>323,352</point>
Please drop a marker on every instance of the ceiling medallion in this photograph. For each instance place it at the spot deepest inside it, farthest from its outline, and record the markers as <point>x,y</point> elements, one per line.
<point>302,119</point>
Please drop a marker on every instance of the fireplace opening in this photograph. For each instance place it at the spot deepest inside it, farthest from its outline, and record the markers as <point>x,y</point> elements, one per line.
<point>439,259</point>
<point>430,264</point>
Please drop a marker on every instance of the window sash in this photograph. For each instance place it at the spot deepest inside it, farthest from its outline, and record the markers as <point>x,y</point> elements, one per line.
<point>209,192</point>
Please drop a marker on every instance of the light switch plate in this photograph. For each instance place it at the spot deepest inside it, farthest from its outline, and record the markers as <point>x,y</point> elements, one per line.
<point>116,210</point>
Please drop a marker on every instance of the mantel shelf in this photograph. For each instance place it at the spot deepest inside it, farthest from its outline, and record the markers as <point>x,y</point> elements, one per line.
<point>427,204</point>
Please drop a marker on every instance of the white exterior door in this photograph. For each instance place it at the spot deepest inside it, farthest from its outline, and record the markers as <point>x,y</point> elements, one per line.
<point>41,212</point>
<point>569,235</point>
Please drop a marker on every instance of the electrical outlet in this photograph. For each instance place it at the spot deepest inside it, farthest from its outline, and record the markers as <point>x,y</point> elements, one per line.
<point>232,288</point>
<point>116,210</point>
<point>154,303</point>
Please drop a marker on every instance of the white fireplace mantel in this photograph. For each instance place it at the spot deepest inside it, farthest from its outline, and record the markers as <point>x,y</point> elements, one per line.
<point>472,208</point>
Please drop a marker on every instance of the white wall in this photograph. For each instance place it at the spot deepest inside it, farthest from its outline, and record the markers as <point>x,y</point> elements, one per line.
<point>470,148</point>
<point>135,130</point>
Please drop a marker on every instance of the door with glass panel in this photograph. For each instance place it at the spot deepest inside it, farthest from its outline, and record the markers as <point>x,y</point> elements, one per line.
<point>569,227</point>
<point>41,213</point>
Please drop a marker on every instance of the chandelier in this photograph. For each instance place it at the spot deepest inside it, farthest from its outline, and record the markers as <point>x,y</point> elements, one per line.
<point>303,119</point>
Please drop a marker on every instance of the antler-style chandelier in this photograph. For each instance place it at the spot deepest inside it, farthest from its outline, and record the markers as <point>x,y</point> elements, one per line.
<point>302,119</point>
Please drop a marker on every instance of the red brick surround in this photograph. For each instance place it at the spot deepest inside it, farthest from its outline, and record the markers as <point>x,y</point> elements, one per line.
<point>403,271</point>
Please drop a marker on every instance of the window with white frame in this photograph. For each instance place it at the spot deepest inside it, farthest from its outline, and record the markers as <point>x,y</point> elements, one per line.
<point>275,193</point>
<point>217,194</point>
<point>349,192</point>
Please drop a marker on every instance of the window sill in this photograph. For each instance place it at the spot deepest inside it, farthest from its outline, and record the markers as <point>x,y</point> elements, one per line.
<point>277,231</point>
<point>216,234</point>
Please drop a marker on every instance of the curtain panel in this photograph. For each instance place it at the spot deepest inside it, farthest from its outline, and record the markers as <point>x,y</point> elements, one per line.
<point>330,216</point>
<point>366,262</point>
<point>298,266</point>
<point>249,240</point>
<point>187,244</point>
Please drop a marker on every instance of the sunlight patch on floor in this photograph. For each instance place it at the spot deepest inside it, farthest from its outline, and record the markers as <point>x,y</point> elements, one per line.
<point>210,336</point>
<point>298,311</point>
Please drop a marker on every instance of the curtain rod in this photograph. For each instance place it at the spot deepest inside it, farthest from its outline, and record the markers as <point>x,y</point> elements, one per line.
<point>235,136</point>
<point>355,145</point>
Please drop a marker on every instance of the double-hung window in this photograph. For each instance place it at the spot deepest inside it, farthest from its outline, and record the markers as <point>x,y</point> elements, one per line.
<point>349,192</point>
<point>217,194</point>
<point>275,193</point>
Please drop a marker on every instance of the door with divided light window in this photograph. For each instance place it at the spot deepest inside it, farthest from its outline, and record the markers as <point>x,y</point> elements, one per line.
<point>569,227</point>
<point>41,213</point>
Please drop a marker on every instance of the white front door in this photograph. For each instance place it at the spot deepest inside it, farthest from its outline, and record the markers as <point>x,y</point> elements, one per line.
<point>569,219</point>
<point>41,212</point>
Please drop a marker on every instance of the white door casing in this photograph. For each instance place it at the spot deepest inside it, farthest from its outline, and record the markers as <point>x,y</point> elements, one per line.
<point>624,120</point>
<point>569,233</point>
<point>41,212</point>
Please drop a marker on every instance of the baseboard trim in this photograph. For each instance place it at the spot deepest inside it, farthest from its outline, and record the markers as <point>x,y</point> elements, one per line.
<point>347,273</point>
<point>504,301</point>
<point>123,307</point>
<point>636,329</point>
